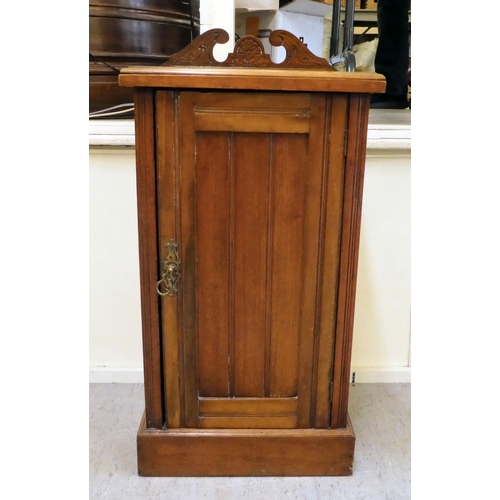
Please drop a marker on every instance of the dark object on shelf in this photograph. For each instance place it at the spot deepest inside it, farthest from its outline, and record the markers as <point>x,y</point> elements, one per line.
<point>124,33</point>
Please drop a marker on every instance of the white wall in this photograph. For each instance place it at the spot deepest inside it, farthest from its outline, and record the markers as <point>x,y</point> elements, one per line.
<point>218,14</point>
<point>382,320</point>
<point>115,316</point>
<point>381,338</point>
<point>309,28</point>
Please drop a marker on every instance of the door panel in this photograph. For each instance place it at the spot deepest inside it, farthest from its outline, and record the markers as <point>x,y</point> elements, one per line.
<point>287,260</point>
<point>213,266</point>
<point>250,222</point>
<point>251,179</point>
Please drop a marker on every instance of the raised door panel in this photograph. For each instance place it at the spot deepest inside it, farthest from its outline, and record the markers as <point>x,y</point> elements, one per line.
<point>248,182</point>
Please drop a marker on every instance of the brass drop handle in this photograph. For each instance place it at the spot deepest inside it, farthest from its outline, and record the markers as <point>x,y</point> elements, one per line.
<point>171,271</point>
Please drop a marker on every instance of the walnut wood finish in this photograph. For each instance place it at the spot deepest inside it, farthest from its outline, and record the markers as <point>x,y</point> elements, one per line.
<point>195,67</point>
<point>148,256</point>
<point>269,79</point>
<point>251,233</point>
<point>245,452</point>
<point>257,174</point>
<point>351,224</point>
<point>248,51</point>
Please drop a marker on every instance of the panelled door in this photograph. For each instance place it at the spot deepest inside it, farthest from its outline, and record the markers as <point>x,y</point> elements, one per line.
<point>250,198</point>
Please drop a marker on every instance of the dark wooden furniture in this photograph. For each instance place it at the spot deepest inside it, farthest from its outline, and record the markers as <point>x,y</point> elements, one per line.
<point>124,33</point>
<point>249,179</point>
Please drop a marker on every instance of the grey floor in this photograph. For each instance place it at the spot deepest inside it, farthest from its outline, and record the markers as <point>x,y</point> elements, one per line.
<point>380,414</point>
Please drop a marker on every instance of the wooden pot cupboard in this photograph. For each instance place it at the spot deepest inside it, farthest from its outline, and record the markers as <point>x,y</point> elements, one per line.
<point>249,183</point>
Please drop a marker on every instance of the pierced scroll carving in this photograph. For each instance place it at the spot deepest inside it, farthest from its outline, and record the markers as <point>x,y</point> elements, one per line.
<point>297,54</point>
<point>200,51</point>
<point>248,52</point>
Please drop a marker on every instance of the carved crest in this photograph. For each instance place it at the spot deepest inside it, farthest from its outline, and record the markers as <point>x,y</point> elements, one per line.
<point>248,52</point>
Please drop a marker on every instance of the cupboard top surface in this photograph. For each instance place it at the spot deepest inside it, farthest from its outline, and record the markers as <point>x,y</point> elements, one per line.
<point>310,80</point>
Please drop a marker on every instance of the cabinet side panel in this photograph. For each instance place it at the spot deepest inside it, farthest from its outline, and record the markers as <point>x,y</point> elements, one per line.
<point>311,260</point>
<point>213,274</point>
<point>148,248</point>
<point>357,127</point>
<point>331,223</point>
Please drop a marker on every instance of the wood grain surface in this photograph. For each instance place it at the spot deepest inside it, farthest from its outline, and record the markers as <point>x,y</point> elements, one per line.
<point>251,452</point>
<point>256,172</point>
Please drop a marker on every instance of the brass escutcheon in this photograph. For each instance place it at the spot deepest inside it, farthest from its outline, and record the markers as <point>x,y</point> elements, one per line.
<point>167,285</point>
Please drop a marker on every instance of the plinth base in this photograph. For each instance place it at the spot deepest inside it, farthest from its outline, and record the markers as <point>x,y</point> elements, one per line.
<point>245,452</point>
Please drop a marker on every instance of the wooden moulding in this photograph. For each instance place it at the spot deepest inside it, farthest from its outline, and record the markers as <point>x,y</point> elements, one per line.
<point>248,51</point>
<point>245,452</point>
<point>250,68</point>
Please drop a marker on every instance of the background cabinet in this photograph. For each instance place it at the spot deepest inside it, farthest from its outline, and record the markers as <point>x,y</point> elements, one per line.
<point>249,208</point>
